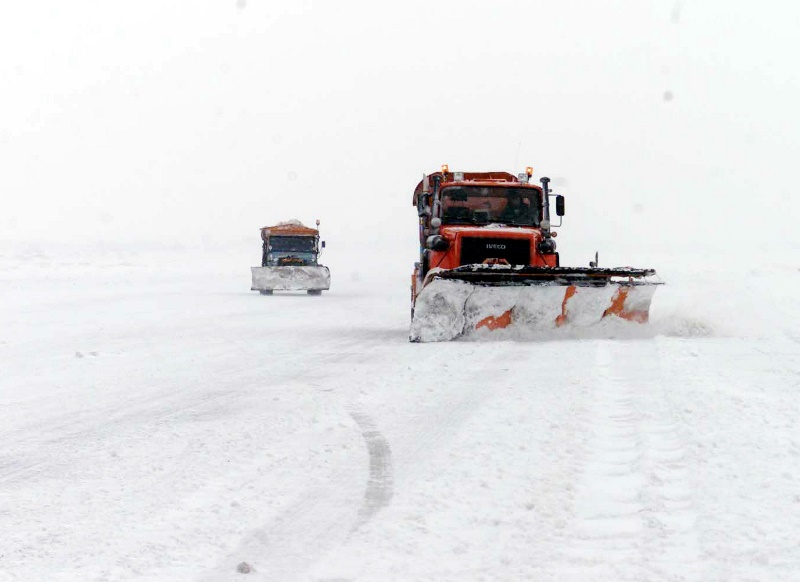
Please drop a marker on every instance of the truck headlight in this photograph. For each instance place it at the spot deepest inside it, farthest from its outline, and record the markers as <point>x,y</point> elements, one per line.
<point>547,246</point>
<point>437,242</point>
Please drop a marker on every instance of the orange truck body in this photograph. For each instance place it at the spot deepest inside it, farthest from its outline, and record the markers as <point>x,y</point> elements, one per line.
<point>488,261</point>
<point>456,234</point>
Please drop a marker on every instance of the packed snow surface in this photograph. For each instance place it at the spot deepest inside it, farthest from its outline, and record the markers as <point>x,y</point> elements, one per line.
<point>163,422</point>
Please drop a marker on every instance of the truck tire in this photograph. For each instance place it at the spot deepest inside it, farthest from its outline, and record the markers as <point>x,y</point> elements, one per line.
<point>315,291</point>
<point>265,291</point>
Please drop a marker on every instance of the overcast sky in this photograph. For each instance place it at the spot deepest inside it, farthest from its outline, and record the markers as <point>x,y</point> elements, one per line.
<point>200,121</point>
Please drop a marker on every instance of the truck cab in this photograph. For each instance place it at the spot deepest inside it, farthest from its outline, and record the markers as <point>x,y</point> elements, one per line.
<point>468,218</point>
<point>285,249</point>
<point>290,254</point>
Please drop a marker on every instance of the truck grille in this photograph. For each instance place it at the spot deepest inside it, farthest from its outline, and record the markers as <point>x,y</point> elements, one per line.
<point>477,250</point>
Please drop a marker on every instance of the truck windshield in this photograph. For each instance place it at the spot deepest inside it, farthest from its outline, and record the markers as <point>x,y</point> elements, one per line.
<point>481,205</point>
<point>297,244</point>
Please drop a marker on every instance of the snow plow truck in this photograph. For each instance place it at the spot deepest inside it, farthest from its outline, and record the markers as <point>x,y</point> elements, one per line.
<point>290,260</point>
<point>488,261</point>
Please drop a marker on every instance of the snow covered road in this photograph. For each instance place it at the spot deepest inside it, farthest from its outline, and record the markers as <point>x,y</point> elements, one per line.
<point>164,424</point>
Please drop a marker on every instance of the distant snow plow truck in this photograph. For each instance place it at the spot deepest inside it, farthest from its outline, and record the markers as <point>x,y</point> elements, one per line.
<point>290,260</point>
<point>488,261</point>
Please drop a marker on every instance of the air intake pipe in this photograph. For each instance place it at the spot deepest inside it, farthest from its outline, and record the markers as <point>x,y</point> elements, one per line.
<point>545,205</point>
<point>436,211</point>
<point>547,245</point>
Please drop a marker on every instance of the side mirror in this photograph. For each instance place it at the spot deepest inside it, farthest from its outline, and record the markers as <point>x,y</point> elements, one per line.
<point>559,205</point>
<point>323,244</point>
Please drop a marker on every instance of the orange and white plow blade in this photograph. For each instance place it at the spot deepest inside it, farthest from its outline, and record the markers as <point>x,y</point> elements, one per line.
<point>446,309</point>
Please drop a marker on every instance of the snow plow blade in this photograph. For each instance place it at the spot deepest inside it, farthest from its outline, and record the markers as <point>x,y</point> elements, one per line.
<point>476,300</point>
<point>268,279</point>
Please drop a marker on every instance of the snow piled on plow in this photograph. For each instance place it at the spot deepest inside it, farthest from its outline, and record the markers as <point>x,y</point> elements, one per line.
<point>290,278</point>
<point>448,309</point>
<point>439,313</point>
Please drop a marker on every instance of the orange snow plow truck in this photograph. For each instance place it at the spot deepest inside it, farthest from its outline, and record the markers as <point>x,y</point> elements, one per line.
<point>488,261</point>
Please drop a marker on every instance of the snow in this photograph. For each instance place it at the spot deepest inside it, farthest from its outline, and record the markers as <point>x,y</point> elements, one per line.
<point>448,309</point>
<point>163,422</point>
<point>295,278</point>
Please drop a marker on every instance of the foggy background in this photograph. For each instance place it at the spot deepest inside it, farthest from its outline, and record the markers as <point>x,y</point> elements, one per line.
<point>665,124</point>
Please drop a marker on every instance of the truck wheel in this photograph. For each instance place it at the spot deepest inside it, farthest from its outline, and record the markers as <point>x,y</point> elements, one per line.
<point>315,291</point>
<point>265,291</point>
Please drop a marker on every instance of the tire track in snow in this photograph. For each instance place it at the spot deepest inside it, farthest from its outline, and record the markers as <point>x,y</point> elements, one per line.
<point>321,519</point>
<point>380,487</point>
<point>670,513</point>
<point>634,508</point>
